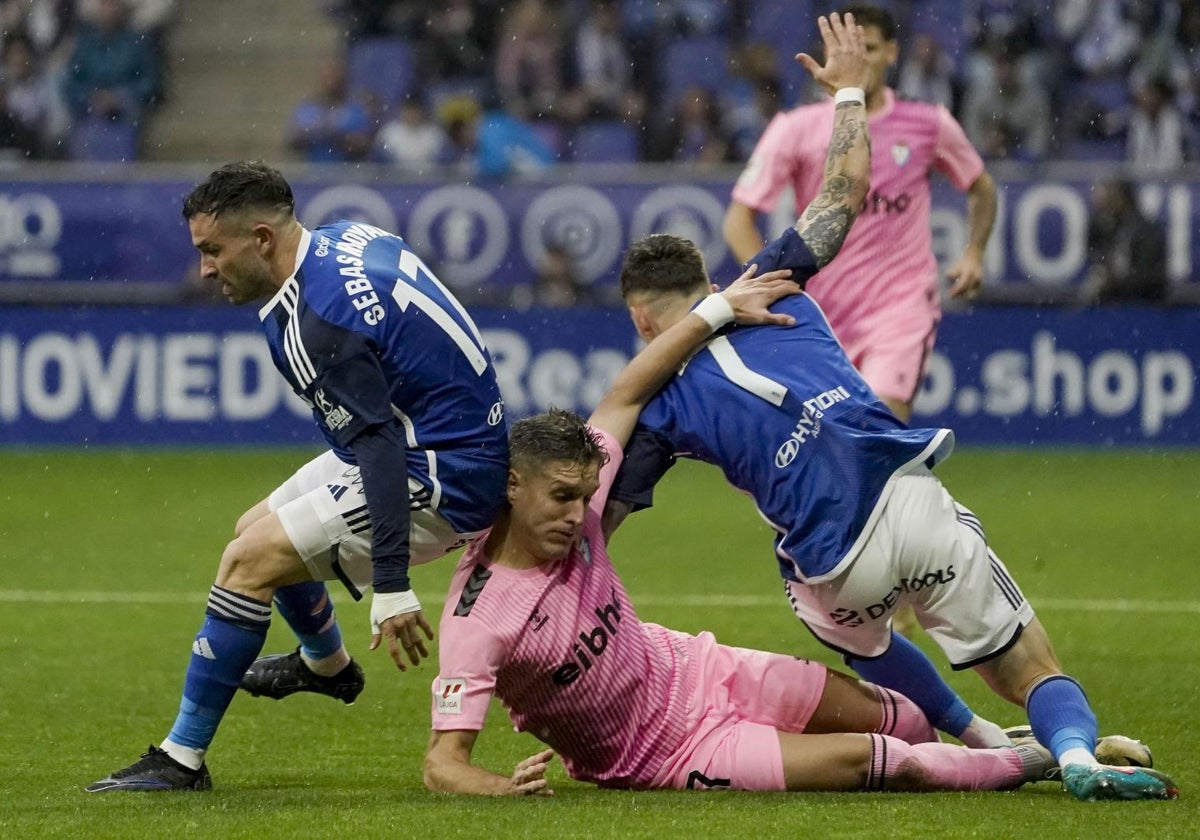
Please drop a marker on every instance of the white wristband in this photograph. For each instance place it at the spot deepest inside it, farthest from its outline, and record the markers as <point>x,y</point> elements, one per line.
<point>384,605</point>
<point>850,94</point>
<point>715,311</point>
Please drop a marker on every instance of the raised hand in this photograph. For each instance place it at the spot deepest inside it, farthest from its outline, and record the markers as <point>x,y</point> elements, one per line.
<point>845,54</point>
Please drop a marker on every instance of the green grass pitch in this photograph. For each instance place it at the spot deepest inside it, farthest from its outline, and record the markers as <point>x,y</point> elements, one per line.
<point>107,558</point>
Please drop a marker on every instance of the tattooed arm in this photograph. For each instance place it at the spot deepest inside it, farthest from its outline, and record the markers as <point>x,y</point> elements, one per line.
<point>825,222</point>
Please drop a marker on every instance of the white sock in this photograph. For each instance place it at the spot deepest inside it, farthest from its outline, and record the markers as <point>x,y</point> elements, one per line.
<point>982,734</point>
<point>187,756</point>
<point>1078,755</point>
<point>330,665</point>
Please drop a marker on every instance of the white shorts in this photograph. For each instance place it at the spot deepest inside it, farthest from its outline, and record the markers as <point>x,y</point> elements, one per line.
<point>324,513</point>
<point>930,552</point>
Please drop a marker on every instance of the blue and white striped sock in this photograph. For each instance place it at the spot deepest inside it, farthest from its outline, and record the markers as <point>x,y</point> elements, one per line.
<point>234,629</point>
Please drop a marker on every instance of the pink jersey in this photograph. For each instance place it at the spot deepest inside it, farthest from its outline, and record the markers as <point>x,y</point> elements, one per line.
<point>562,647</point>
<point>885,271</point>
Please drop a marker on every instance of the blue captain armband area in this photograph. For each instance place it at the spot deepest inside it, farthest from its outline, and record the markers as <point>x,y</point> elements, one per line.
<point>787,251</point>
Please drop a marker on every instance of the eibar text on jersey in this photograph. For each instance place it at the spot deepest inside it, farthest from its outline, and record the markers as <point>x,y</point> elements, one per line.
<point>595,641</point>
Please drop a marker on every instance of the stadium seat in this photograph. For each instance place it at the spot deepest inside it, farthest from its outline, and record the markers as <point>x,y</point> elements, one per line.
<point>1109,94</point>
<point>1094,148</point>
<point>382,68</point>
<point>98,139</point>
<point>552,135</point>
<point>605,141</point>
<point>694,61</point>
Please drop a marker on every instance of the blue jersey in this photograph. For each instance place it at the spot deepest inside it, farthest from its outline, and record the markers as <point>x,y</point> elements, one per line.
<point>367,335</point>
<point>784,414</point>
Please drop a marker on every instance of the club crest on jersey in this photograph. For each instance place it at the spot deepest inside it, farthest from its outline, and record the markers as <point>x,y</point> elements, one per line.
<point>585,551</point>
<point>448,694</point>
<point>901,153</point>
<point>336,417</point>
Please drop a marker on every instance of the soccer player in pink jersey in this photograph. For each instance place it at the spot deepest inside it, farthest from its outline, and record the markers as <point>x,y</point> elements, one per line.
<point>881,292</point>
<point>538,617</point>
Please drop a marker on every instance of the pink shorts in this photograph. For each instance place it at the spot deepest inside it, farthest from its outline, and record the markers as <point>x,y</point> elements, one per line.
<point>742,699</point>
<point>892,360</point>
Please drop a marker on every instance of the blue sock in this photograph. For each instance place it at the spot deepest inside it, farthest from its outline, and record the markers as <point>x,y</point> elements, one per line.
<point>308,610</point>
<point>232,635</point>
<point>904,668</point>
<point>1060,715</point>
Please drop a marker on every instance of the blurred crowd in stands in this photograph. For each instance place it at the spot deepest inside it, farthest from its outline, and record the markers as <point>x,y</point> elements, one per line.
<point>496,87</point>
<point>76,70</point>
<point>502,87</point>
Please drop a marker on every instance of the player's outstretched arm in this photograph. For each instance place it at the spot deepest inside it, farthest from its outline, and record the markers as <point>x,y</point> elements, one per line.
<point>746,301</point>
<point>448,769</point>
<point>825,222</point>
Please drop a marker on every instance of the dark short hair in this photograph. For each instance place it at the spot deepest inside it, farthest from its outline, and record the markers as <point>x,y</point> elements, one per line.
<point>556,435</point>
<point>662,263</point>
<point>877,16</point>
<point>236,186</point>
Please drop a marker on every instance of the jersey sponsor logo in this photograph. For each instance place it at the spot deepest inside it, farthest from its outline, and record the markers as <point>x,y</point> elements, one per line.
<point>538,619</point>
<point>853,618</point>
<point>809,424</point>
<point>323,243</point>
<point>337,491</point>
<point>786,453</point>
<point>336,416</point>
<point>449,694</point>
<point>593,642</point>
<point>877,202</point>
<point>496,413</point>
<point>901,153</point>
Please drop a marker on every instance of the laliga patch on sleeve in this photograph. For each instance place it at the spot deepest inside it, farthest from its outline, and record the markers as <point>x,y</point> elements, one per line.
<point>450,693</point>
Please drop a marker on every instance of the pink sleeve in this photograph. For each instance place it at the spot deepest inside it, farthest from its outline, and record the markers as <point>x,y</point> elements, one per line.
<point>770,168</point>
<point>955,156</point>
<point>608,472</point>
<point>469,658</point>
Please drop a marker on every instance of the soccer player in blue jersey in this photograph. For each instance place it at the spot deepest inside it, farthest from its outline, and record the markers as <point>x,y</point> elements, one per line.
<point>403,390</point>
<point>863,526</point>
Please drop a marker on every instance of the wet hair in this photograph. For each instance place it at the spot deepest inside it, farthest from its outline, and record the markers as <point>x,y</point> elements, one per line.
<point>237,186</point>
<point>556,435</point>
<point>867,15</point>
<point>663,263</point>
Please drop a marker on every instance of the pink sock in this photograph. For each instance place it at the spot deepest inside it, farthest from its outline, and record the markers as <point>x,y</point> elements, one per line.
<point>899,766</point>
<point>903,719</point>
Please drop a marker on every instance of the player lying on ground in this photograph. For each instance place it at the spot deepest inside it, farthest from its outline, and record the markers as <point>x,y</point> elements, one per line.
<point>538,617</point>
